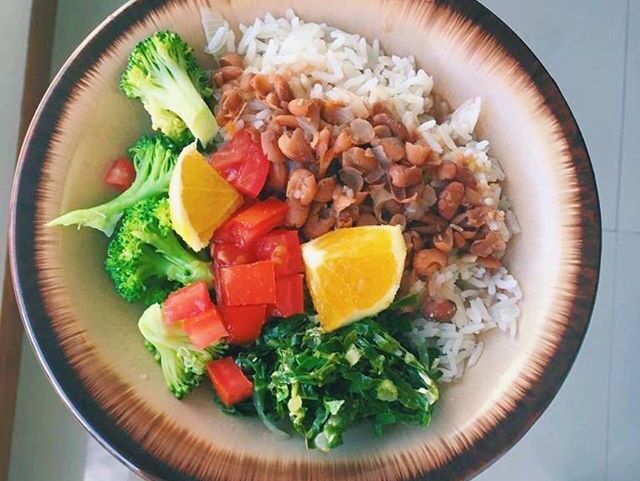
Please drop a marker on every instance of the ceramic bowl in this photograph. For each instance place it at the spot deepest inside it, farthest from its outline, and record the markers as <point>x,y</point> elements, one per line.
<point>86,337</point>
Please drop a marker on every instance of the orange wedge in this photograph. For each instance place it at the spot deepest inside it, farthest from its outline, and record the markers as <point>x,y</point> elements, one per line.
<point>200,200</point>
<point>354,273</point>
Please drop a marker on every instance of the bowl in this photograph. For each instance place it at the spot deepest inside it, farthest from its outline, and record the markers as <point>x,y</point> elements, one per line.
<point>86,338</point>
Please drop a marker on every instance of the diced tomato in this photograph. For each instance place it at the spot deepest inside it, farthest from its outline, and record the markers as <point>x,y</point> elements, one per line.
<point>205,328</point>
<point>121,174</point>
<point>230,383</point>
<point>249,284</point>
<point>252,223</point>
<point>225,255</point>
<point>186,302</point>
<point>242,163</point>
<point>283,248</point>
<point>244,323</point>
<point>289,296</point>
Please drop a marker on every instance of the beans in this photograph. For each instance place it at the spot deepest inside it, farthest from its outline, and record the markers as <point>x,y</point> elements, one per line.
<point>489,262</point>
<point>343,142</point>
<point>382,131</point>
<point>231,59</point>
<point>297,214</point>
<point>367,219</point>
<point>398,219</point>
<point>321,141</point>
<point>361,159</point>
<point>444,241</point>
<point>428,261</point>
<point>347,217</point>
<point>324,192</point>
<point>226,74</point>
<point>447,171</point>
<point>299,107</point>
<point>295,147</point>
<point>284,120</point>
<point>440,310</point>
<point>404,176</point>
<point>337,114</point>
<point>361,132</point>
<point>417,154</point>
<point>397,127</point>
<point>450,199</point>
<point>282,89</point>
<point>302,186</point>
<point>319,221</point>
<point>278,175</point>
<point>488,246</point>
<point>260,83</point>
<point>269,143</point>
<point>393,149</point>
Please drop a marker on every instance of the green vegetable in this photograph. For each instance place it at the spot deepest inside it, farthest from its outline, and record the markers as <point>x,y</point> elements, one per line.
<point>146,260</point>
<point>154,158</point>
<point>164,74</point>
<point>324,383</point>
<point>183,366</point>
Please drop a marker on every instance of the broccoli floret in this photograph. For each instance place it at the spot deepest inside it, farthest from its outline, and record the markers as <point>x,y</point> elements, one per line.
<point>154,158</point>
<point>164,74</point>
<point>145,258</point>
<point>183,366</point>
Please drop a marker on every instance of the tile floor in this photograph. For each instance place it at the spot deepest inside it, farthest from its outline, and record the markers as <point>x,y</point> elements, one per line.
<point>591,431</point>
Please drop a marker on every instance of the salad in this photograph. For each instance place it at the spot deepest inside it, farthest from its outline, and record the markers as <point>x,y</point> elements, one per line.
<point>286,243</point>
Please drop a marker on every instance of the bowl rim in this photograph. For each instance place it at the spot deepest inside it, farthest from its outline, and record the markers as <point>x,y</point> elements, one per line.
<point>116,440</point>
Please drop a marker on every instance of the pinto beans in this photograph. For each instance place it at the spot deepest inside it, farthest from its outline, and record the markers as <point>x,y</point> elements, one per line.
<point>417,154</point>
<point>231,59</point>
<point>428,261</point>
<point>360,159</point>
<point>302,186</point>
<point>297,214</point>
<point>488,246</point>
<point>405,176</point>
<point>397,127</point>
<point>393,149</point>
<point>226,74</point>
<point>444,241</point>
<point>450,199</point>
<point>319,222</point>
<point>440,310</point>
<point>324,192</point>
<point>295,147</point>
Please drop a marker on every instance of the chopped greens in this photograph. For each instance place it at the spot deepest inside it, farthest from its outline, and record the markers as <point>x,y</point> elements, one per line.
<point>324,383</point>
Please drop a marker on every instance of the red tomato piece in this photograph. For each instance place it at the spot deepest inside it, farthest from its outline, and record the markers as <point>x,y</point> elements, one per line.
<point>249,284</point>
<point>186,302</point>
<point>289,296</point>
<point>230,383</point>
<point>242,163</point>
<point>206,328</point>
<point>244,323</point>
<point>283,248</point>
<point>252,223</point>
<point>121,174</point>
<point>225,255</point>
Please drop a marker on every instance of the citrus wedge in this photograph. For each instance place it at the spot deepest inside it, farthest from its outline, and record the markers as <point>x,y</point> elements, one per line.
<point>200,200</point>
<point>354,273</point>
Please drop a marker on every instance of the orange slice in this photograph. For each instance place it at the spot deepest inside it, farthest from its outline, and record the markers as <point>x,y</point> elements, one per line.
<point>354,273</point>
<point>200,200</point>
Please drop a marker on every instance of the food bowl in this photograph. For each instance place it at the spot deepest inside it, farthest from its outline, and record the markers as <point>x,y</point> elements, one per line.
<point>86,337</point>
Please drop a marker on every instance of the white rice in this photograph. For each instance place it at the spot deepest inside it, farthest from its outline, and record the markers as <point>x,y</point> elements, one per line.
<point>327,63</point>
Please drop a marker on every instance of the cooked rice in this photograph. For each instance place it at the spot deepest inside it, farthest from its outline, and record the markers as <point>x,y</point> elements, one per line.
<point>324,62</point>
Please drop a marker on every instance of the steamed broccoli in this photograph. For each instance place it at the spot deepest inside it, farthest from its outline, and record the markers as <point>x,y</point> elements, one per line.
<point>154,158</point>
<point>183,366</point>
<point>163,73</point>
<point>146,260</point>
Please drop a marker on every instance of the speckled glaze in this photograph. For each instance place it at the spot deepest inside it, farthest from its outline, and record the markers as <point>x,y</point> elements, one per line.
<point>86,337</point>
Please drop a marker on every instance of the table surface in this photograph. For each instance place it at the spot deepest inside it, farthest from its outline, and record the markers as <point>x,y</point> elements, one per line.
<point>591,431</point>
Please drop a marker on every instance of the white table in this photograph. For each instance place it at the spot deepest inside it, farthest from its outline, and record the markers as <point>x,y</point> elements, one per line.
<point>591,432</point>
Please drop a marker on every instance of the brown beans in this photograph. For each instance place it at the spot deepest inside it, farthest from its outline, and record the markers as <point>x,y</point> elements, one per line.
<point>488,246</point>
<point>440,310</point>
<point>465,176</point>
<point>361,132</point>
<point>295,147</point>
<point>478,216</point>
<point>417,154</point>
<point>228,107</point>
<point>347,217</point>
<point>231,59</point>
<point>302,186</point>
<point>489,262</point>
<point>444,241</point>
<point>278,176</point>
<point>447,171</point>
<point>428,261</point>
<point>393,207</point>
<point>299,107</point>
<point>269,143</point>
<point>382,131</point>
<point>402,176</point>
<point>289,121</point>
<point>337,114</point>
<point>361,159</point>
<point>297,214</point>
<point>282,89</point>
<point>319,221</point>
<point>458,240</point>
<point>398,219</point>
<point>320,142</point>
<point>272,100</point>
<point>472,197</point>
<point>343,142</point>
<point>397,127</point>
<point>261,84</point>
<point>367,219</point>
<point>393,149</point>
<point>433,224</point>
<point>450,199</point>
<point>324,192</point>
<point>226,74</point>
